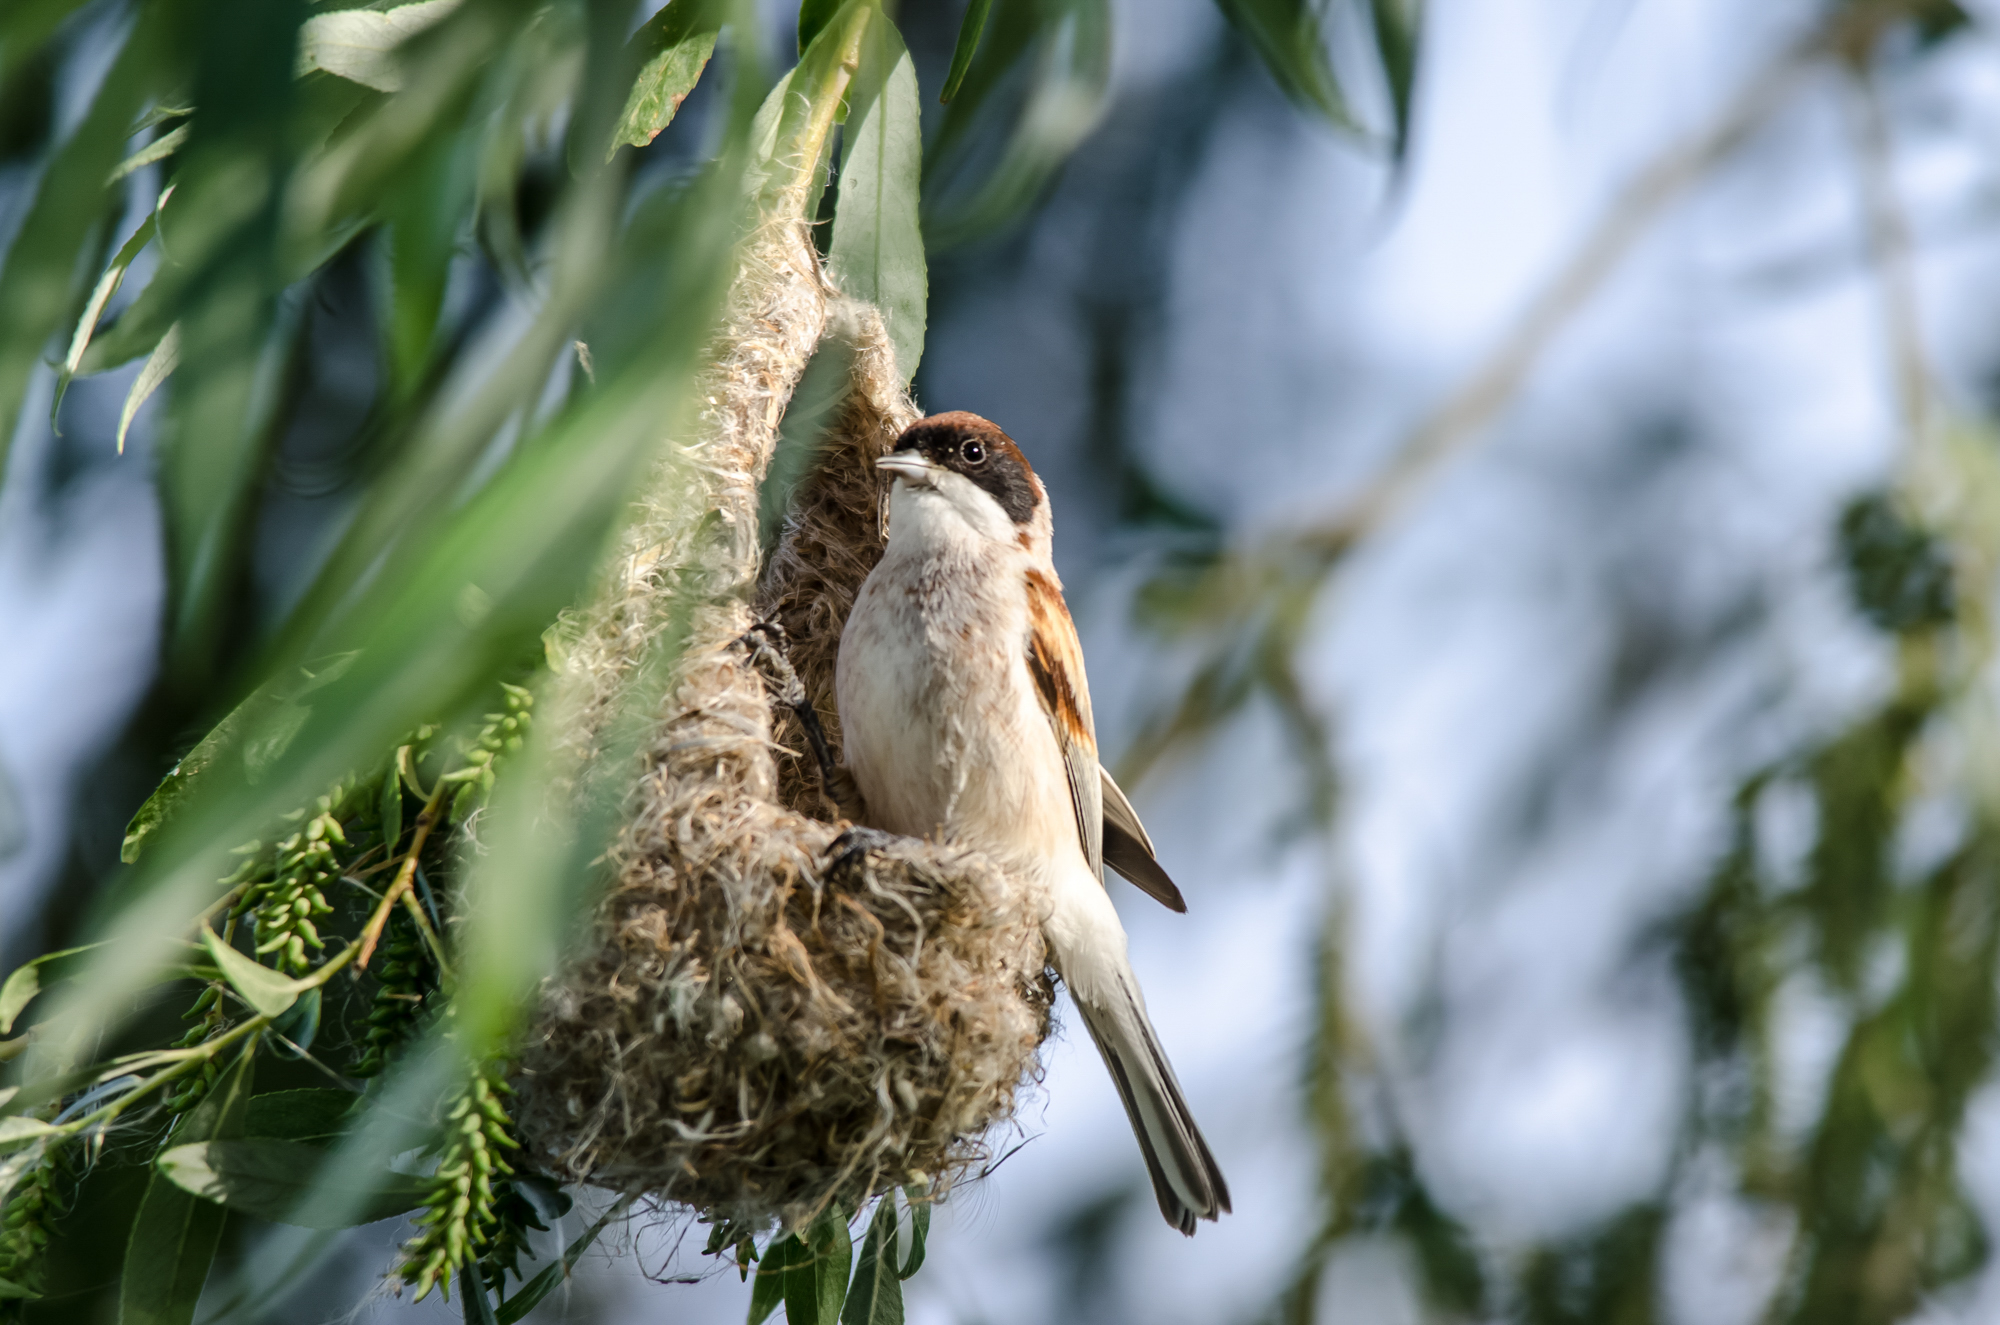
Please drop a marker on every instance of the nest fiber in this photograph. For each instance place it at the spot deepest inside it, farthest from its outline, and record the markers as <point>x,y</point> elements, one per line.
<point>767,1020</point>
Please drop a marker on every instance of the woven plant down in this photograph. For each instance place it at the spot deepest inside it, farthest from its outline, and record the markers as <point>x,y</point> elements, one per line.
<point>766,1022</point>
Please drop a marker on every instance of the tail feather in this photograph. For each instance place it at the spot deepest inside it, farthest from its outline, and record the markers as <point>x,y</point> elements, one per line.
<point>1185,1176</point>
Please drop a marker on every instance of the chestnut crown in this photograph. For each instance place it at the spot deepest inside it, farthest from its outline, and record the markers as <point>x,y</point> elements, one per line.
<point>974,447</point>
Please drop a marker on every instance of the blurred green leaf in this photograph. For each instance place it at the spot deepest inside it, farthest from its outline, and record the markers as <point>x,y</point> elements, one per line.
<point>1290,37</point>
<point>877,253</point>
<point>158,150</point>
<point>675,44</point>
<point>25,982</point>
<point>970,29</point>
<point>43,274</point>
<point>360,45</point>
<point>995,156</point>
<point>876,1296</point>
<point>1398,25</point>
<point>767,1287</point>
<point>107,286</point>
<point>920,1229</point>
<point>302,1115</point>
<point>175,1234</point>
<point>276,1181</point>
<point>261,987</point>
<point>532,1292</point>
<point>814,15</point>
<point>816,1275</point>
<point>160,364</point>
<point>15,1130</point>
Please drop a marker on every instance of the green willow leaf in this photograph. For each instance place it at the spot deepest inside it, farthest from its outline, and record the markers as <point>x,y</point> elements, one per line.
<point>261,987</point>
<point>1397,24</point>
<point>360,44</point>
<point>767,1289</point>
<point>39,288</point>
<point>816,1283</point>
<point>675,46</point>
<point>814,15</point>
<point>10,1289</point>
<point>26,981</point>
<point>274,1180</point>
<point>970,29</point>
<point>877,251</point>
<point>166,357</point>
<point>1065,48</point>
<point>158,150</point>
<point>532,1292</point>
<point>1290,37</point>
<point>107,286</point>
<point>314,1114</point>
<point>175,1234</point>
<point>920,1229</point>
<point>876,1296</point>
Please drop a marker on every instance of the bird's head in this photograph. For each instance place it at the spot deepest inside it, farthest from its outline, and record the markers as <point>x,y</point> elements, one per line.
<point>963,466</point>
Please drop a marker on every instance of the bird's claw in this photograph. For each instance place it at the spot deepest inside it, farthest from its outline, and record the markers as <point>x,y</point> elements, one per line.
<point>848,849</point>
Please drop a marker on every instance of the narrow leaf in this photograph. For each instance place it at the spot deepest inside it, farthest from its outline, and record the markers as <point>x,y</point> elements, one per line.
<point>107,286</point>
<point>1290,37</point>
<point>158,150</point>
<point>767,1290</point>
<point>17,1129</point>
<point>814,15</point>
<point>970,29</point>
<point>1397,23</point>
<point>816,1282</point>
<point>543,1284</point>
<point>676,44</point>
<point>876,1296</point>
<point>26,981</point>
<point>10,1289</point>
<point>877,253</point>
<point>175,1234</point>
<point>920,1228</point>
<point>261,987</point>
<point>301,1115</point>
<point>166,356</point>
<point>360,44</point>
<point>272,1180</point>
<point>392,806</point>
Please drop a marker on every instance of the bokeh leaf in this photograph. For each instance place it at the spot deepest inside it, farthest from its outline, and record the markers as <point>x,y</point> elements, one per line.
<point>315,1114</point>
<point>261,987</point>
<point>274,1180</point>
<point>877,250</point>
<point>175,1234</point>
<point>970,29</point>
<point>1290,37</point>
<point>160,364</point>
<point>360,45</point>
<point>531,1293</point>
<point>675,45</point>
<point>876,1295</point>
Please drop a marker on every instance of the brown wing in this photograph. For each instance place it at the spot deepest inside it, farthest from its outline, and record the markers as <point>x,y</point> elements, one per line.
<point>1055,660</point>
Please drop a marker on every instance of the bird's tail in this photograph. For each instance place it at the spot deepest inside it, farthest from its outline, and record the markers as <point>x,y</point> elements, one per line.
<point>1186,1179</point>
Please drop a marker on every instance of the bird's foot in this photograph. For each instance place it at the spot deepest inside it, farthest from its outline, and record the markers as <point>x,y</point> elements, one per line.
<point>848,850</point>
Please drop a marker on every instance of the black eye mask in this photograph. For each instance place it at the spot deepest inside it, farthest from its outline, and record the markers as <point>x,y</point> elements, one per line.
<point>981,453</point>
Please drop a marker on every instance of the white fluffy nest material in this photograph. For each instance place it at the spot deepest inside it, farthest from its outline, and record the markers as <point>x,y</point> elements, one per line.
<point>765,1024</point>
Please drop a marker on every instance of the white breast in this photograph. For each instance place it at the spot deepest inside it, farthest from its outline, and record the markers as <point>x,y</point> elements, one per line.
<point>939,720</point>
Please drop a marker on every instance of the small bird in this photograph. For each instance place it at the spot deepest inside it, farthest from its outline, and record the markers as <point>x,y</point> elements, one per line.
<point>966,718</point>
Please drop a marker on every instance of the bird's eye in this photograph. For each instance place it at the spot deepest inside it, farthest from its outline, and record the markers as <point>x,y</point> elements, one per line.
<point>972,453</point>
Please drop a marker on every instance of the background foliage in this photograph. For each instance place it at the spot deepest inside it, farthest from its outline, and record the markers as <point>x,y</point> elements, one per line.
<point>405,295</point>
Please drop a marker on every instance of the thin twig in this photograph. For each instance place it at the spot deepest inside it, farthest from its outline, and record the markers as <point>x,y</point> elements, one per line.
<point>1458,420</point>
<point>1892,248</point>
<point>405,878</point>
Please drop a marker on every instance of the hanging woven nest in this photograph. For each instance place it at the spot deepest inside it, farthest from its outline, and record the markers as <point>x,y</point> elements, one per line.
<point>769,1020</point>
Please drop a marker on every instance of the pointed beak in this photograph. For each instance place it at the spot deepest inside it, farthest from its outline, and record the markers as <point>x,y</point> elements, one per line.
<point>910,465</point>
